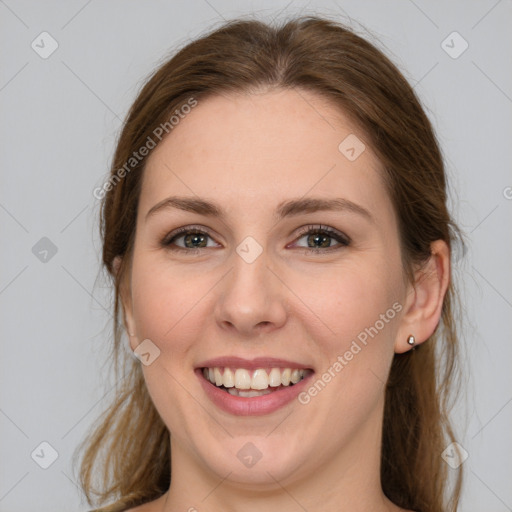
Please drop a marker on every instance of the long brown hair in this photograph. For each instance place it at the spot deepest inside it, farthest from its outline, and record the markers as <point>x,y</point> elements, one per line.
<point>128,451</point>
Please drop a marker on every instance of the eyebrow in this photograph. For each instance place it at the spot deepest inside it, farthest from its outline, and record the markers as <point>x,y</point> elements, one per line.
<point>288,208</point>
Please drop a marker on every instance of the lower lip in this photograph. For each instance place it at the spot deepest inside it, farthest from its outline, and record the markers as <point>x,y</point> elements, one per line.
<point>251,406</point>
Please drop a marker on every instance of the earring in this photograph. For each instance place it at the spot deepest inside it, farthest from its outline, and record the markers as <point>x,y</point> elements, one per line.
<point>411,340</point>
<point>131,334</point>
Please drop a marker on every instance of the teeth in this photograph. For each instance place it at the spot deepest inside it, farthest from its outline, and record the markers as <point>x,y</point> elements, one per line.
<point>228,378</point>
<point>295,376</point>
<point>248,394</point>
<point>260,381</point>
<point>285,376</point>
<point>274,378</point>
<point>242,379</point>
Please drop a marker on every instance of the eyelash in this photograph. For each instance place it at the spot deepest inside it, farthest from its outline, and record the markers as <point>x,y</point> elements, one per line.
<point>342,239</point>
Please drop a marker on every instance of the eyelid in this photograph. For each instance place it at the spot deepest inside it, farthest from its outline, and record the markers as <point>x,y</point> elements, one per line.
<point>184,230</point>
<point>342,239</point>
<point>320,227</point>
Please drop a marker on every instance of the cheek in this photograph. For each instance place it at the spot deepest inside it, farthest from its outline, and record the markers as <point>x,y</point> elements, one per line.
<point>359,310</point>
<point>350,300</point>
<point>169,306</point>
<point>359,306</point>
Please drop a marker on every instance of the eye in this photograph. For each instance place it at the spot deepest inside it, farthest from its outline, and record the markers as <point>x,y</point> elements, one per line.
<point>189,239</point>
<point>192,239</point>
<point>319,239</point>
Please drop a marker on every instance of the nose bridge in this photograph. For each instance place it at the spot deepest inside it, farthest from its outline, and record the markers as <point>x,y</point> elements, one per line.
<point>251,298</point>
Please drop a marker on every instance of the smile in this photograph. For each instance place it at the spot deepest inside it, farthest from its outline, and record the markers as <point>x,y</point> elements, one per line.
<point>243,387</point>
<point>251,383</point>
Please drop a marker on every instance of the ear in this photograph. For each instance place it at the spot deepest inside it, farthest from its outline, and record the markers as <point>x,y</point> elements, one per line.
<point>126,303</point>
<point>424,302</point>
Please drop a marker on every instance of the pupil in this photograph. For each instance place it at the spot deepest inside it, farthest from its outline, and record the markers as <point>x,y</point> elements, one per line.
<point>194,238</point>
<point>318,238</point>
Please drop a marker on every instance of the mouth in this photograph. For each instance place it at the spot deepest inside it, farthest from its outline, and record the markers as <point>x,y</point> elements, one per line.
<point>248,383</point>
<point>251,388</point>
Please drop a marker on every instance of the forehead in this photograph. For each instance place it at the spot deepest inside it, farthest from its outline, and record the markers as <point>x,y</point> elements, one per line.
<point>258,149</point>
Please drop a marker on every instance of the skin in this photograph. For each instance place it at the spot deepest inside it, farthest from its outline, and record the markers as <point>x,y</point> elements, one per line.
<point>309,307</point>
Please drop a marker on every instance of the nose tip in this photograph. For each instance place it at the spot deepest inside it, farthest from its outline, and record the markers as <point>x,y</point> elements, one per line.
<point>251,300</point>
<point>246,328</point>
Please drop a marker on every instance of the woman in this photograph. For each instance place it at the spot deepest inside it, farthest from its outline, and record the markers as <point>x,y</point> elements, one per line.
<point>276,228</point>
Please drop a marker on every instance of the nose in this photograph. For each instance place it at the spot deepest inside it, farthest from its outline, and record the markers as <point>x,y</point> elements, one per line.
<point>252,299</point>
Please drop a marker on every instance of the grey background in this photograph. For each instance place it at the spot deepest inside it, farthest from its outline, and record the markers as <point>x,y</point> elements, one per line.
<point>60,119</point>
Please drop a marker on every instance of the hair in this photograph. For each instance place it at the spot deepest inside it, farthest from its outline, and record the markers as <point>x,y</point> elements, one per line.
<point>322,56</point>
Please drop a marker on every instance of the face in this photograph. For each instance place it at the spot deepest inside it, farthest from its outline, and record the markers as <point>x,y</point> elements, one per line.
<point>267,275</point>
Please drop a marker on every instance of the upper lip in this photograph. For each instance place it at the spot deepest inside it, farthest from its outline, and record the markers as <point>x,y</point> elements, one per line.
<point>250,364</point>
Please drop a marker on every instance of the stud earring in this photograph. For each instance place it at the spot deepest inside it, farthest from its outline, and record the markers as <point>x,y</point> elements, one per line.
<point>411,340</point>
